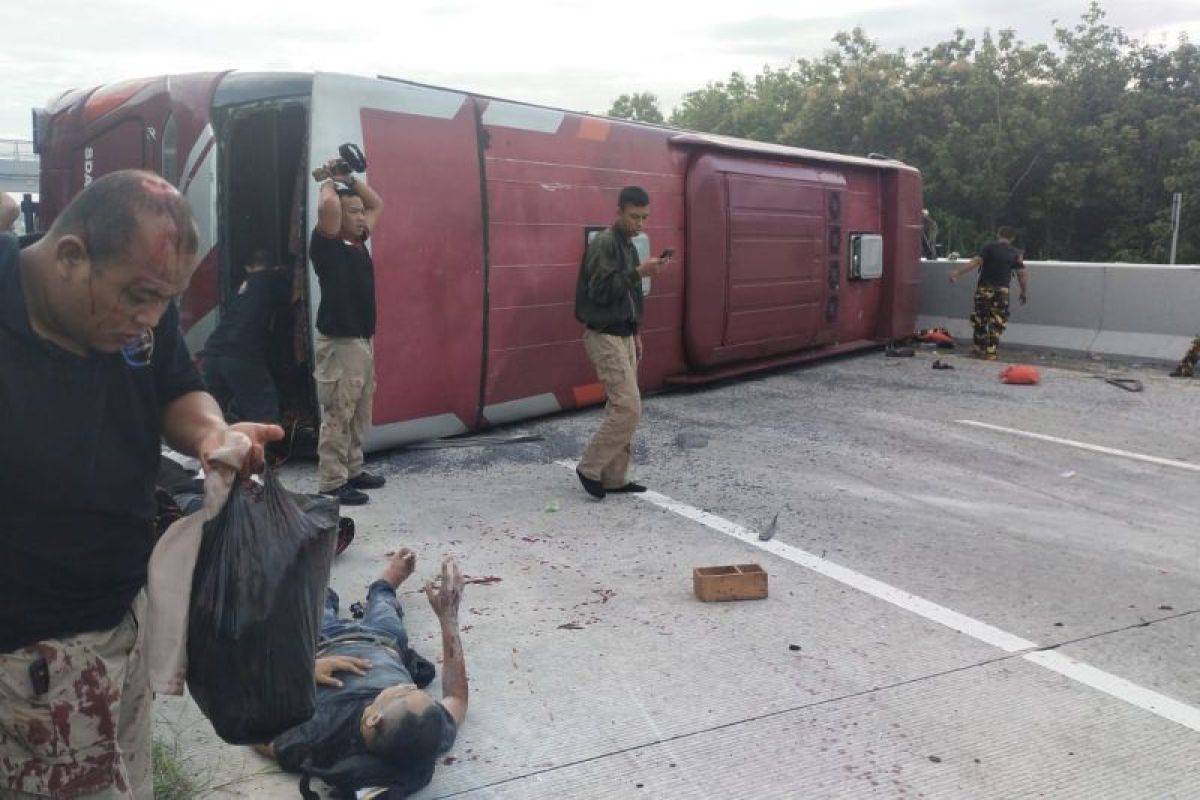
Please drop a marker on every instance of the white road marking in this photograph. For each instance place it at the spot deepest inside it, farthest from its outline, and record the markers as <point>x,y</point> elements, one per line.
<point>1095,448</point>
<point>1112,685</point>
<point>1152,701</point>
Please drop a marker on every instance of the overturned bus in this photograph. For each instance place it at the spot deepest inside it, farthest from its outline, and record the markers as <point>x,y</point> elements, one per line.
<point>782,254</point>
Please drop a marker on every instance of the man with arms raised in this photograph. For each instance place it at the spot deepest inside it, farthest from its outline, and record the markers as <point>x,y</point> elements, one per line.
<point>345,357</point>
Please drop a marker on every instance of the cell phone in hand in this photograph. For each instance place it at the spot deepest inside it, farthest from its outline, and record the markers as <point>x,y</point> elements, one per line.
<point>668,253</point>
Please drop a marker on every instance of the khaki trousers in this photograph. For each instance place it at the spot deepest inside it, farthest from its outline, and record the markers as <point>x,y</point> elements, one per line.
<point>345,375</point>
<point>607,456</point>
<point>89,735</point>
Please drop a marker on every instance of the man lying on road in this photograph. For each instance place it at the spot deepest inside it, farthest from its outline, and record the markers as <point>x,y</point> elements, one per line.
<point>373,725</point>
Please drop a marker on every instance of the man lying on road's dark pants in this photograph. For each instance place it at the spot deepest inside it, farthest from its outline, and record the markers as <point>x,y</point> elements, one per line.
<point>373,726</point>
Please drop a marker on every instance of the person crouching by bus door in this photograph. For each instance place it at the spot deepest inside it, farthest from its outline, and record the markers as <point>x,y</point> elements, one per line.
<point>996,262</point>
<point>235,355</point>
<point>608,301</point>
<point>347,213</point>
<point>94,376</point>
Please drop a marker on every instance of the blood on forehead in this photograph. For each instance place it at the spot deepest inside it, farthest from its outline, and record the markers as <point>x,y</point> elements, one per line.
<point>161,264</point>
<point>156,185</point>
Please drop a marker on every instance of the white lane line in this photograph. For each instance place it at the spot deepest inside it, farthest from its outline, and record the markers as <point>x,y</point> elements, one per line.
<point>1095,448</point>
<point>1152,701</point>
<point>1112,685</point>
<point>897,597</point>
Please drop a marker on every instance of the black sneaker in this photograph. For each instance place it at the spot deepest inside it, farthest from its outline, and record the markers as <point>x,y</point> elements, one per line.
<point>629,488</point>
<point>593,487</point>
<point>365,480</point>
<point>347,495</point>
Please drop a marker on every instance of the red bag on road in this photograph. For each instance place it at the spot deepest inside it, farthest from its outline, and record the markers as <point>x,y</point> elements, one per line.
<point>1021,374</point>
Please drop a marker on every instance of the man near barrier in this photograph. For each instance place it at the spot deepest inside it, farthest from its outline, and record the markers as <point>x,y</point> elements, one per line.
<point>996,262</point>
<point>373,725</point>
<point>345,360</point>
<point>1187,365</point>
<point>608,300</point>
<point>94,375</point>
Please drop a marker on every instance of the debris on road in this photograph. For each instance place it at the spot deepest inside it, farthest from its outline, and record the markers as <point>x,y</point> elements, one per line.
<point>939,364</point>
<point>1021,375</point>
<point>729,582</point>
<point>769,531</point>
<point>552,506</point>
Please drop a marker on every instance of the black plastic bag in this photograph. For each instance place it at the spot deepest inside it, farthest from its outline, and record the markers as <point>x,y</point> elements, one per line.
<point>256,603</point>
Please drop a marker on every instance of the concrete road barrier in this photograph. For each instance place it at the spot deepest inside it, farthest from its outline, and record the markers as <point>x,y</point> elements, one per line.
<point>1147,311</point>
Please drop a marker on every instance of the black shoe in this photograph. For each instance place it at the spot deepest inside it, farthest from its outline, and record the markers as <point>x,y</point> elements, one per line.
<point>629,488</point>
<point>347,495</point>
<point>365,480</point>
<point>593,487</point>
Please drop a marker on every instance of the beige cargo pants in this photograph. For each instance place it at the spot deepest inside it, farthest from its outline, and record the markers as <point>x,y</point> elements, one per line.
<point>607,456</point>
<point>89,735</point>
<point>345,375</point>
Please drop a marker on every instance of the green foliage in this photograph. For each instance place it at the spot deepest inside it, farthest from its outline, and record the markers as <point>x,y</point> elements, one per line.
<point>171,780</point>
<point>640,107</point>
<point>1078,143</point>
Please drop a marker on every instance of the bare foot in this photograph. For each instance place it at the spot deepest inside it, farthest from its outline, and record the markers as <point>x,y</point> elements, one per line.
<point>401,564</point>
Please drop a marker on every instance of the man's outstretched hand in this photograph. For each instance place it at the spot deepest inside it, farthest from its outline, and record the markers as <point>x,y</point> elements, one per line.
<point>445,593</point>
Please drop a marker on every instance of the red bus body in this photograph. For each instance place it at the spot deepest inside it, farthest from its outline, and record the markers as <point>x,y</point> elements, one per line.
<point>488,206</point>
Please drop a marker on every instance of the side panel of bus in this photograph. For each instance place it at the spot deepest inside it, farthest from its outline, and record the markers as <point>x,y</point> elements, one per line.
<point>553,177</point>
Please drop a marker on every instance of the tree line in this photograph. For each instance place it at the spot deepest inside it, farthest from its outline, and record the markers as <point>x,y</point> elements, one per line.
<point>1078,144</point>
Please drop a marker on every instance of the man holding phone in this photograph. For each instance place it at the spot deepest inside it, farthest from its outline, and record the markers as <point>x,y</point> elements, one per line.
<point>608,300</point>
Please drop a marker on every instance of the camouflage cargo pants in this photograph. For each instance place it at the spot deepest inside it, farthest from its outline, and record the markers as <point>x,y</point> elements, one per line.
<point>990,318</point>
<point>89,735</point>
<point>607,456</point>
<point>345,374</point>
<point>1187,365</point>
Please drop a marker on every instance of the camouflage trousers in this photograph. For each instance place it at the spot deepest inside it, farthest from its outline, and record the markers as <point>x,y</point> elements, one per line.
<point>607,456</point>
<point>990,317</point>
<point>345,374</point>
<point>1187,365</point>
<point>89,734</point>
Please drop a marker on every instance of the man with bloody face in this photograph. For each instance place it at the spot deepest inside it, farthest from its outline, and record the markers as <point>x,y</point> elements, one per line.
<point>94,376</point>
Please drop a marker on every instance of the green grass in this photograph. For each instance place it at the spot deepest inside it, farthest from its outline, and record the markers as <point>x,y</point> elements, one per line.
<point>171,782</point>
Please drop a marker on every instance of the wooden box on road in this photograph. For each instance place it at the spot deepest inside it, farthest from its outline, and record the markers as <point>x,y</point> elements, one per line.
<point>733,582</point>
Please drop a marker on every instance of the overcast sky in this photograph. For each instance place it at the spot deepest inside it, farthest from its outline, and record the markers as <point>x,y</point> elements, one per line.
<point>567,53</point>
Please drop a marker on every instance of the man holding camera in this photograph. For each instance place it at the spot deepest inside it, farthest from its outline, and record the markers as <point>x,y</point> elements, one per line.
<point>347,213</point>
<point>608,300</point>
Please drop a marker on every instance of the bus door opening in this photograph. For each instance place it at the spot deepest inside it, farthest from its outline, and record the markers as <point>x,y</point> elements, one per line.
<point>263,184</point>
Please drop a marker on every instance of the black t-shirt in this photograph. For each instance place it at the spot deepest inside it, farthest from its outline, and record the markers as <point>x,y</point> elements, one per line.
<point>79,448</point>
<point>1000,260</point>
<point>347,276</point>
<point>242,332</point>
<point>332,733</point>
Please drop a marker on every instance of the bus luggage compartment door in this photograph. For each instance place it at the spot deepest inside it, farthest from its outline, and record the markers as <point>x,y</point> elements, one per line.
<point>757,276</point>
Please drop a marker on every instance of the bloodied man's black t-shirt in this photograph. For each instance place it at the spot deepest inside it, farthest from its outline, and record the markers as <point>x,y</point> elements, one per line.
<point>79,448</point>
